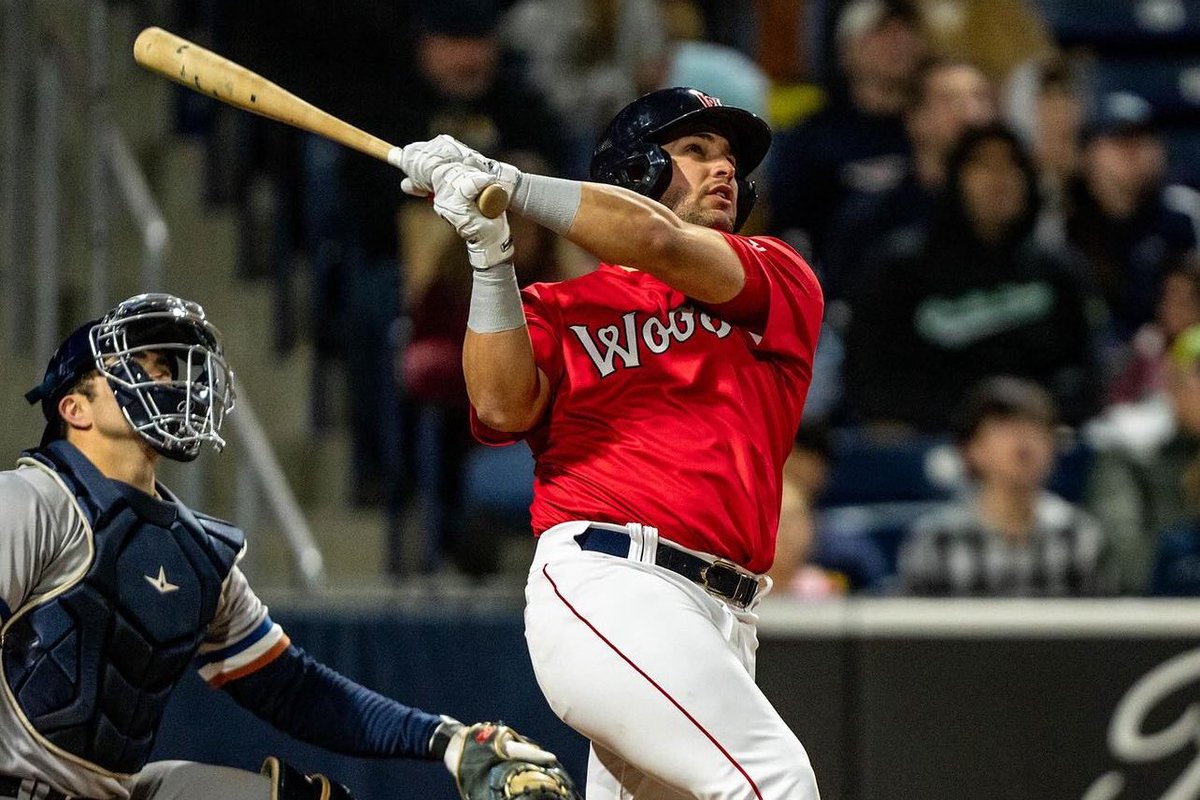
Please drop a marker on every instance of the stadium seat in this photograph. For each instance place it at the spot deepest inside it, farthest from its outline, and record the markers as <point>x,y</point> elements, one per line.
<point>1071,472</point>
<point>1183,156</point>
<point>877,528</point>
<point>1123,21</point>
<point>1171,86</point>
<point>867,470</point>
<point>499,480</point>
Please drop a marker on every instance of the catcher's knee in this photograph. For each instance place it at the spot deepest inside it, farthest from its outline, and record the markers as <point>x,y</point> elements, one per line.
<point>289,783</point>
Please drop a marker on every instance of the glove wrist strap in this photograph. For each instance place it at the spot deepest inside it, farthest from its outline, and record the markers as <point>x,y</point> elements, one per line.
<point>492,254</point>
<point>442,734</point>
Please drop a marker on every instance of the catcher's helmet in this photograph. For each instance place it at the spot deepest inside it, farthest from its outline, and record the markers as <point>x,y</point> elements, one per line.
<point>629,153</point>
<point>175,417</point>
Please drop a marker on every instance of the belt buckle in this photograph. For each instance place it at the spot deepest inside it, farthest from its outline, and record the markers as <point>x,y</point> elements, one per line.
<point>721,565</point>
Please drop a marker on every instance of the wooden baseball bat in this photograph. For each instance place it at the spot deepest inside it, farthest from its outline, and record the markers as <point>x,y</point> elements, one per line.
<point>208,73</point>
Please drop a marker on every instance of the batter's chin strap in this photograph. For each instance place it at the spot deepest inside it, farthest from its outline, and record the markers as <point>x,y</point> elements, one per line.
<point>289,783</point>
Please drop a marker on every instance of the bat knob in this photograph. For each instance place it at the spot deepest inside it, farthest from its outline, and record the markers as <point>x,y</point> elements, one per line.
<point>493,201</point>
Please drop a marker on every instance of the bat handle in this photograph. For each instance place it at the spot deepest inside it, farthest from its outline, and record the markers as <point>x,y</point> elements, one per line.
<point>492,201</point>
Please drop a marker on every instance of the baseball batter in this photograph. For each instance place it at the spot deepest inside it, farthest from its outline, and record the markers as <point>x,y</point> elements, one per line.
<point>659,396</point>
<point>110,588</point>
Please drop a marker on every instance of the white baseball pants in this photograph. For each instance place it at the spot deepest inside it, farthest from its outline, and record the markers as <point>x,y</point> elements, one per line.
<point>658,674</point>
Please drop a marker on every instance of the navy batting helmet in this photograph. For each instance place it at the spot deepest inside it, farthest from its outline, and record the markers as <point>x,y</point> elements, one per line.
<point>174,416</point>
<point>630,154</point>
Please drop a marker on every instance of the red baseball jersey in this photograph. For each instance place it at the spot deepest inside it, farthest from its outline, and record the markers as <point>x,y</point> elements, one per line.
<point>664,414</point>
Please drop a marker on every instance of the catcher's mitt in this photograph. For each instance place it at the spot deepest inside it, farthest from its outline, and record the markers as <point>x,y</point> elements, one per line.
<point>497,763</point>
<point>521,780</point>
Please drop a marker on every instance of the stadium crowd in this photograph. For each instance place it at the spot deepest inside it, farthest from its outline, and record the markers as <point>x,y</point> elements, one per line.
<point>1006,399</point>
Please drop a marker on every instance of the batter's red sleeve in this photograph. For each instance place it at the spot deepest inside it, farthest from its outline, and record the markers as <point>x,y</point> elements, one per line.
<point>781,295</point>
<point>540,317</point>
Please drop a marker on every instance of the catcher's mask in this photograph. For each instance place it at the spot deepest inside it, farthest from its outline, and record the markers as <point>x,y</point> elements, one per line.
<point>175,416</point>
<point>630,152</point>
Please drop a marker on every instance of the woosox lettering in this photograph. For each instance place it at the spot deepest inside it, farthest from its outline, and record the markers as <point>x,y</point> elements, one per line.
<point>626,340</point>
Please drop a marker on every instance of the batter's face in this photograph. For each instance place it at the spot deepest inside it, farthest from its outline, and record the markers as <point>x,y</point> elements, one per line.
<point>703,190</point>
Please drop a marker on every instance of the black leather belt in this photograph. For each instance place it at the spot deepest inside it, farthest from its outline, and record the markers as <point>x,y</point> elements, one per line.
<point>10,786</point>
<point>720,578</point>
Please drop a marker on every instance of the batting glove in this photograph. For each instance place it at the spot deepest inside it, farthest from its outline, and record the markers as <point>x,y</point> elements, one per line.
<point>505,175</point>
<point>420,159</point>
<point>456,190</point>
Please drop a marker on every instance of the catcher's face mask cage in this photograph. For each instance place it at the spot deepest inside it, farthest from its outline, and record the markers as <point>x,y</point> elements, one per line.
<point>176,416</point>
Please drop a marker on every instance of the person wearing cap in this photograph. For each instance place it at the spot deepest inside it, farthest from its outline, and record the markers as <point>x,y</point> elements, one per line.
<point>111,589</point>
<point>1122,216</point>
<point>659,396</point>
<point>857,143</point>
<point>1010,536</point>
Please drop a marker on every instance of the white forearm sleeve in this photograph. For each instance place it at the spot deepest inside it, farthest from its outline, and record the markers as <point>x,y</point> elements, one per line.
<point>550,202</point>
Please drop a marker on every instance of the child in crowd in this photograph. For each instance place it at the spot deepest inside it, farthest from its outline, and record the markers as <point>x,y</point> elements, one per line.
<point>1008,536</point>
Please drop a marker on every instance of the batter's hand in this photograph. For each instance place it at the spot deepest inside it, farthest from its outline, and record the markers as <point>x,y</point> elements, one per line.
<point>456,188</point>
<point>492,761</point>
<point>505,175</point>
<point>420,159</point>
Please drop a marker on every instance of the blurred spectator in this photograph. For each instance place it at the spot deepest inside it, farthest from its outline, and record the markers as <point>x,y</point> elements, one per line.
<point>1122,217</point>
<point>979,296</point>
<point>857,143</point>
<point>1010,536</point>
<point>1139,486</point>
<point>1045,104</point>
<point>460,83</point>
<point>996,35</point>
<point>811,562</point>
<point>805,474</point>
<point>948,97</point>
<point>588,58</point>
<point>1144,374</point>
<point>431,376</point>
<point>1176,570</point>
<point>463,84</point>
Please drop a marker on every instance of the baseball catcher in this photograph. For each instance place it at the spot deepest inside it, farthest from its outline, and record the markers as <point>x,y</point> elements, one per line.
<point>111,588</point>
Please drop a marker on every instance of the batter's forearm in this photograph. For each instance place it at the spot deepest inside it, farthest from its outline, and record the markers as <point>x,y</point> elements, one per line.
<point>505,387</point>
<point>619,226</point>
<point>622,227</point>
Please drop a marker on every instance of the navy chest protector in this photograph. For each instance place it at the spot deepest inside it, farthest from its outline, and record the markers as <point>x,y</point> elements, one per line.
<point>92,668</point>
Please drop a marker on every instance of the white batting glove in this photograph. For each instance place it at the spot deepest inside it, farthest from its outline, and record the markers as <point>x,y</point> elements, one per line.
<point>505,175</point>
<point>420,159</point>
<point>456,190</point>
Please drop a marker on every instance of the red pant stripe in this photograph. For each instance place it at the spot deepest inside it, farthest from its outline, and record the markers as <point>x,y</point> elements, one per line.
<point>653,683</point>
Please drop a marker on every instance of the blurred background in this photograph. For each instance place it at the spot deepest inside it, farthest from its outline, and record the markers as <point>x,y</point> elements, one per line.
<point>1000,197</point>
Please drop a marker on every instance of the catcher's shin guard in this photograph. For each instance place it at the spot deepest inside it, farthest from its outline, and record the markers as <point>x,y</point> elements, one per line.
<point>289,783</point>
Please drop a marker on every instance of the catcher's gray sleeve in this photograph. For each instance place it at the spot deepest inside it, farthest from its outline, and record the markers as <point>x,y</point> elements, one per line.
<point>36,520</point>
<point>242,638</point>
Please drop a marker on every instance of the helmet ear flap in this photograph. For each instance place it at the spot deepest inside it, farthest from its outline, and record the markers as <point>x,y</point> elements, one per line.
<point>644,168</point>
<point>747,195</point>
